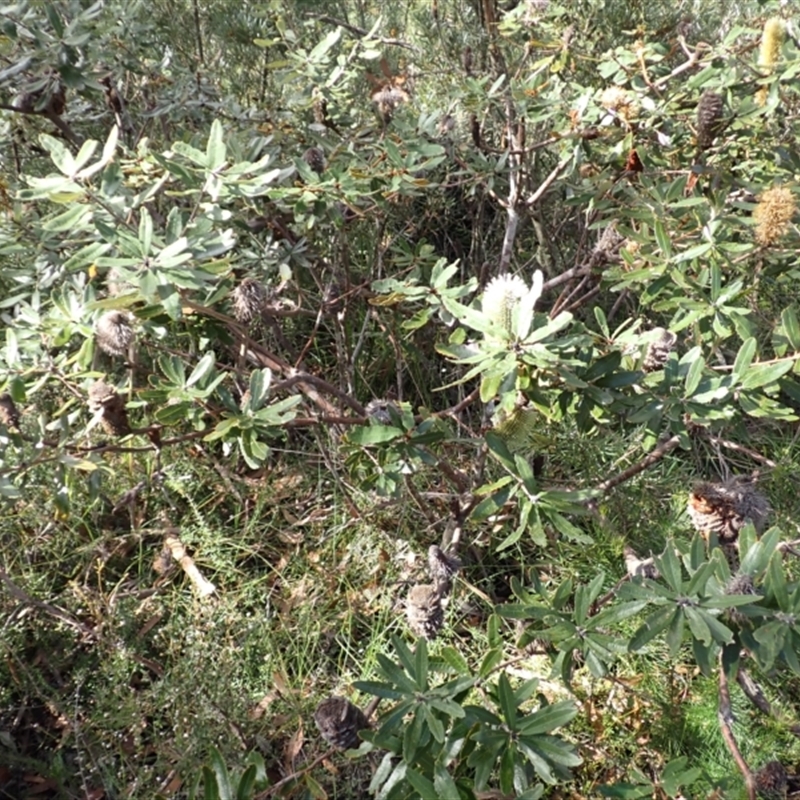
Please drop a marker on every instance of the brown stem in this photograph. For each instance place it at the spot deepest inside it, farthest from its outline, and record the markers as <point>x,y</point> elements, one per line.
<point>54,611</point>
<point>664,447</point>
<point>725,715</point>
<point>197,32</point>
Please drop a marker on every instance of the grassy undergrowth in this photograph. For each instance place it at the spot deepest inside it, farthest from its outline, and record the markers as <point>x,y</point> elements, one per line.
<point>116,680</point>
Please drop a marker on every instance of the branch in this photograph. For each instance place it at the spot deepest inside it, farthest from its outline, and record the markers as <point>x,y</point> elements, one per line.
<point>361,31</point>
<point>545,184</point>
<point>54,611</point>
<point>178,552</point>
<point>665,446</point>
<point>725,716</point>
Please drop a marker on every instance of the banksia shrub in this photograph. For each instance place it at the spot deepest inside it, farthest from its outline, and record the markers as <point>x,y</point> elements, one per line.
<point>424,610</point>
<point>249,299</point>
<point>710,109</point>
<point>659,349</point>
<point>773,213</point>
<point>339,722</point>
<point>114,333</point>
<point>104,401</point>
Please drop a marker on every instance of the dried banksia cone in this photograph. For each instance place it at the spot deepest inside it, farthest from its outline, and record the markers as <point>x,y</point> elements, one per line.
<point>608,246</point>
<point>710,109</point>
<point>725,508</point>
<point>315,159</point>
<point>771,781</point>
<point>443,568</point>
<point>380,411</point>
<point>114,333</point>
<point>620,101</point>
<point>517,428</point>
<point>105,403</point>
<point>249,299</point>
<point>424,610</point>
<point>659,349</point>
<point>773,213</point>
<point>339,722</point>
<point>387,99</point>
<point>639,567</point>
<point>9,415</point>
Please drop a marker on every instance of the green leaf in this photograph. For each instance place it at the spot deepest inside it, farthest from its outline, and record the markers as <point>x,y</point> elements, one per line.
<point>508,703</point>
<point>314,788</point>
<point>215,148</point>
<point>444,785</point>
<point>791,327</point>
<point>764,374</point>
<point>664,242</point>
<point>694,375</point>
<point>744,358</point>
<point>670,567</point>
<point>655,624</point>
<point>203,368</point>
<point>59,153</point>
<point>317,54</point>
<point>547,719</point>
<point>247,783</point>
<point>221,773</point>
<point>374,434</point>
<point>457,661</point>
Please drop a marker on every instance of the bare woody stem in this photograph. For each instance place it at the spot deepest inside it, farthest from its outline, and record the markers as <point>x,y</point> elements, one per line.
<point>664,447</point>
<point>724,715</point>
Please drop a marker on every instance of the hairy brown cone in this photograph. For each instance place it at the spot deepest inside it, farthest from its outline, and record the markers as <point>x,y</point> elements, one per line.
<point>443,568</point>
<point>659,349</point>
<point>249,299</point>
<point>710,109</point>
<point>424,610</point>
<point>771,781</point>
<point>114,333</point>
<point>103,399</point>
<point>315,159</point>
<point>339,722</point>
<point>9,415</point>
<point>725,508</point>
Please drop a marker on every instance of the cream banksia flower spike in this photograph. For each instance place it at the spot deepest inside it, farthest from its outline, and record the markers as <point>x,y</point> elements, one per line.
<point>773,213</point>
<point>771,42</point>
<point>508,303</point>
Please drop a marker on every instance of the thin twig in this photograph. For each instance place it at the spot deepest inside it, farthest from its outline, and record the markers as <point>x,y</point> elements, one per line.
<point>729,445</point>
<point>664,447</point>
<point>362,31</point>
<point>54,611</point>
